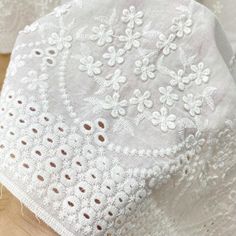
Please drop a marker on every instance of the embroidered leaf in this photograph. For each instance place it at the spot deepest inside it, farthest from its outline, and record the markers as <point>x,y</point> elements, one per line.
<point>151,34</point>
<point>80,33</point>
<point>96,103</point>
<point>112,18</point>
<point>143,52</point>
<point>185,60</point>
<point>102,19</point>
<point>163,69</point>
<point>208,97</point>
<point>141,116</point>
<point>123,126</point>
<point>71,24</point>
<point>147,27</point>
<point>183,124</point>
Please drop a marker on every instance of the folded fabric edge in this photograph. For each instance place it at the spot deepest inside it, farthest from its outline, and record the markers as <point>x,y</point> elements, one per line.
<point>34,207</point>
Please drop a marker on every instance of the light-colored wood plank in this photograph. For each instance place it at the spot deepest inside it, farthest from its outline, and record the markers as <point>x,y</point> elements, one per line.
<point>4,60</point>
<point>16,219</point>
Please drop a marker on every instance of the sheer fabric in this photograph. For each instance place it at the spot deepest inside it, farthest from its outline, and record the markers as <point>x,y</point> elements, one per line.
<point>118,118</point>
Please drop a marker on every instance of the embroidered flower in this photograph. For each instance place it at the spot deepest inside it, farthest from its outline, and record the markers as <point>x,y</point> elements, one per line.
<point>102,35</point>
<point>168,97</point>
<point>34,80</point>
<point>179,79</point>
<point>88,64</point>
<point>113,103</point>
<point>200,74</point>
<point>60,40</point>
<point>181,25</point>
<point>132,17</point>
<point>115,80</point>
<point>61,10</point>
<point>145,69</point>
<point>193,105</point>
<point>114,56</point>
<point>163,119</point>
<point>166,44</point>
<point>131,39</point>
<point>195,141</point>
<point>141,100</point>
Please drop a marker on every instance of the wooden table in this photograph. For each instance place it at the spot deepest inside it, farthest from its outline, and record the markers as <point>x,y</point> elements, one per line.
<point>15,218</point>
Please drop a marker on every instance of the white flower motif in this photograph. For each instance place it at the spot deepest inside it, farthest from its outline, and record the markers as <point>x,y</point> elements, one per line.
<point>179,79</point>
<point>34,80</point>
<point>114,56</point>
<point>132,17</point>
<point>115,80</point>
<point>163,119</point>
<point>102,35</point>
<point>181,26</point>
<point>142,100</point>
<point>195,141</point>
<point>60,40</point>
<point>145,69</point>
<point>113,103</point>
<point>131,39</point>
<point>61,10</point>
<point>192,105</point>
<point>88,64</point>
<point>200,74</point>
<point>166,44</point>
<point>168,97</point>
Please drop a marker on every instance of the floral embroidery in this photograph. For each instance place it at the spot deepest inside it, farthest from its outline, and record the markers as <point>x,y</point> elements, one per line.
<point>163,119</point>
<point>131,39</point>
<point>192,104</point>
<point>144,69</point>
<point>195,141</point>
<point>113,103</point>
<point>60,40</point>
<point>179,79</point>
<point>34,80</point>
<point>89,65</point>
<point>200,74</point>
<point>168,97</point>
<point>181,25</point>
<point>102,35</point>
<point>166,44</point>
<point>114,56</point>
<point>115,80</point>
<point>141,100</point>
<point>132,17</point>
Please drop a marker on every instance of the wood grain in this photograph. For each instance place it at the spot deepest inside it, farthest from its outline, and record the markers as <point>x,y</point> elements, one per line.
<point>15,218</point>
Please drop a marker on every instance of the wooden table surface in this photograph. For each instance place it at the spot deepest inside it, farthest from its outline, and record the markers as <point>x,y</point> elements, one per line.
<point>15,218</point>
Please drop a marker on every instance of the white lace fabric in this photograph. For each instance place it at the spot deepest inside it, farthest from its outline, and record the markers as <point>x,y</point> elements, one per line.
<point>119,119</point>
